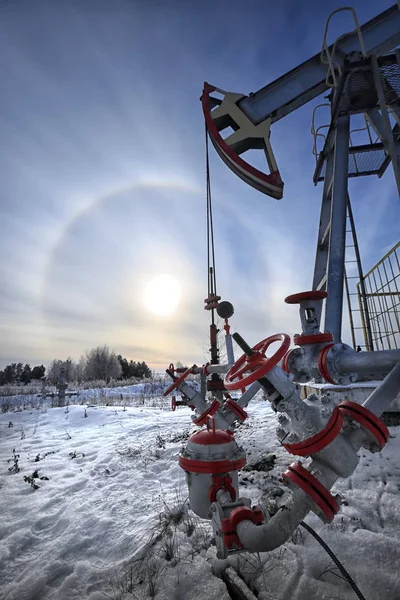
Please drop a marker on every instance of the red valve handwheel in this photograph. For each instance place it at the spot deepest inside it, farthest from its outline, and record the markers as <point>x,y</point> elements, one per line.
<point>177,381</point>
<point>301,296</point>
<point>258,364</point>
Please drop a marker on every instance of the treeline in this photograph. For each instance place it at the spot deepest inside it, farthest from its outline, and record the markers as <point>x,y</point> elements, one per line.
<point>98,363</point>
<point>20,373</point>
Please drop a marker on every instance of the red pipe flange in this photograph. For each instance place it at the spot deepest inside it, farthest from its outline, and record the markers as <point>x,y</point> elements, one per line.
<point>285,361</point>
<point>235,408</point>
<point>303,479</point>
<point>231,539</point>
<point>209,412</point>
<point>173,404</point>
<point>205,369</point>
<point>322,366</point>
<point>321,440</point>
<point>311,295</point>
<point>239,514</point>
<point>244,513</point>
<point>212,467</point>
<point>367,419</point>
<point>317,338</point>
<point>221,483</point>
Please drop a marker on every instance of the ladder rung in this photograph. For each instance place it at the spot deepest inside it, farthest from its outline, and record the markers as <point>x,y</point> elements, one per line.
<point>325,234</point>
<point>322,282</point>
<point>329,188</point>
<point>350,261</point>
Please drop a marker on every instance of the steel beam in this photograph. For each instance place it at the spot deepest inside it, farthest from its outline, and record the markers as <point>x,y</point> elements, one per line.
<point>307,81</point>
<point>392,147</point>
<point>335,282</point>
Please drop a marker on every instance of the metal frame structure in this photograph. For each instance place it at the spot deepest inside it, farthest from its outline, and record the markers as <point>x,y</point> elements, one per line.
<point>365,80</point>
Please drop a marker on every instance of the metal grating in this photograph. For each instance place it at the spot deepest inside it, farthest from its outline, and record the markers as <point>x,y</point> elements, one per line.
<point>366,162</point>
<point>390,75</point>
<point>382,285</point>
<point>359,92</point>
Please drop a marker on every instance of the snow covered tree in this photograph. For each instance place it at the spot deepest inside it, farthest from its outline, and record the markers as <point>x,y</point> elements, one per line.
<point>80,369</point>
<point>102,363</point>
<point>68,367</point>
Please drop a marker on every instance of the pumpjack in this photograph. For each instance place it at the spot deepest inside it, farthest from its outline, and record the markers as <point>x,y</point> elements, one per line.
<point>361,74</point>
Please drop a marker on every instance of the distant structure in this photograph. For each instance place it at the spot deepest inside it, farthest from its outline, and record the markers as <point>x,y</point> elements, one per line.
<point>58,399</point>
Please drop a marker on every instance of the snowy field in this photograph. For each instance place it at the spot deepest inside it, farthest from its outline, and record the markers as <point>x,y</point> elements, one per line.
<point>109,517</point>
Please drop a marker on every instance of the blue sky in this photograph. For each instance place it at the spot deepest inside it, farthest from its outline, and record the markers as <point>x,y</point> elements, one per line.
<point>103,177</point>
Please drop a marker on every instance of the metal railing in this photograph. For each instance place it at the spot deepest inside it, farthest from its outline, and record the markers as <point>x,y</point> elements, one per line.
<point>382,287</point>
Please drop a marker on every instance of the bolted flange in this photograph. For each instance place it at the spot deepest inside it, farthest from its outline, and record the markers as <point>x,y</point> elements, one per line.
<point>377,432</point>
<point>324,505</point>
<point>327,364</point>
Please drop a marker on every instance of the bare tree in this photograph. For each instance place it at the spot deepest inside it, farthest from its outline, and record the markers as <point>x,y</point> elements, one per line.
<point>68,366</point>
<point>102,363</point>
<point>80,369</point>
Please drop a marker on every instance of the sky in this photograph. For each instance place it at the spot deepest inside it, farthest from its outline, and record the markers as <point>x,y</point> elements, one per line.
<point>103,175</point>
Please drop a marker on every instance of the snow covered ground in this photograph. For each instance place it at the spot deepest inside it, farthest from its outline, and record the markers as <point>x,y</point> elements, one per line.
<point>109,519</point>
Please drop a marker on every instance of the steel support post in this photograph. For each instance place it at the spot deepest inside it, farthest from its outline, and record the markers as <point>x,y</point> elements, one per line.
<point>229,349</point>
<point>321,256</point>
<point>334,301</point>
<point>392,147</point>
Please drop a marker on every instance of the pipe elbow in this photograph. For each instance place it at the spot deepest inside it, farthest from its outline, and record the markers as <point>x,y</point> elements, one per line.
<point>278,529</point>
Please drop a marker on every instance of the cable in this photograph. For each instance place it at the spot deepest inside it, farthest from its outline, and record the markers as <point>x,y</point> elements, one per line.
<point>212,278</point>
<point>335,559</point>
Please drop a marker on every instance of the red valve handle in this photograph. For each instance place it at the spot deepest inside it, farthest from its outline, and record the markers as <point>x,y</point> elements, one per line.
<point>311,295</point>
<point>177,381</point>
<point>258,364</point>
<point>173,404</point>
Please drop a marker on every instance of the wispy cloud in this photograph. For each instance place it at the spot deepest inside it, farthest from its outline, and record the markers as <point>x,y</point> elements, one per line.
<point>103,182</point>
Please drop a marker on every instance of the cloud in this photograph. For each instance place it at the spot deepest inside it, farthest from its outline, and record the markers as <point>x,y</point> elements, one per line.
<point>103,182</point>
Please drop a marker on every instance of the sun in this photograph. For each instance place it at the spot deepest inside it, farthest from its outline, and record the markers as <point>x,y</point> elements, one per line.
<point>162,294</point>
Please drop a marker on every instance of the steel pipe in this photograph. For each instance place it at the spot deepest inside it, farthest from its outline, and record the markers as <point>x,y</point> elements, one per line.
<point>382,397</point>
<point>380,361</point>
<point>249,394</point>
<point>212,369</point>
<point>278,529</point>
<point>274,533</point>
